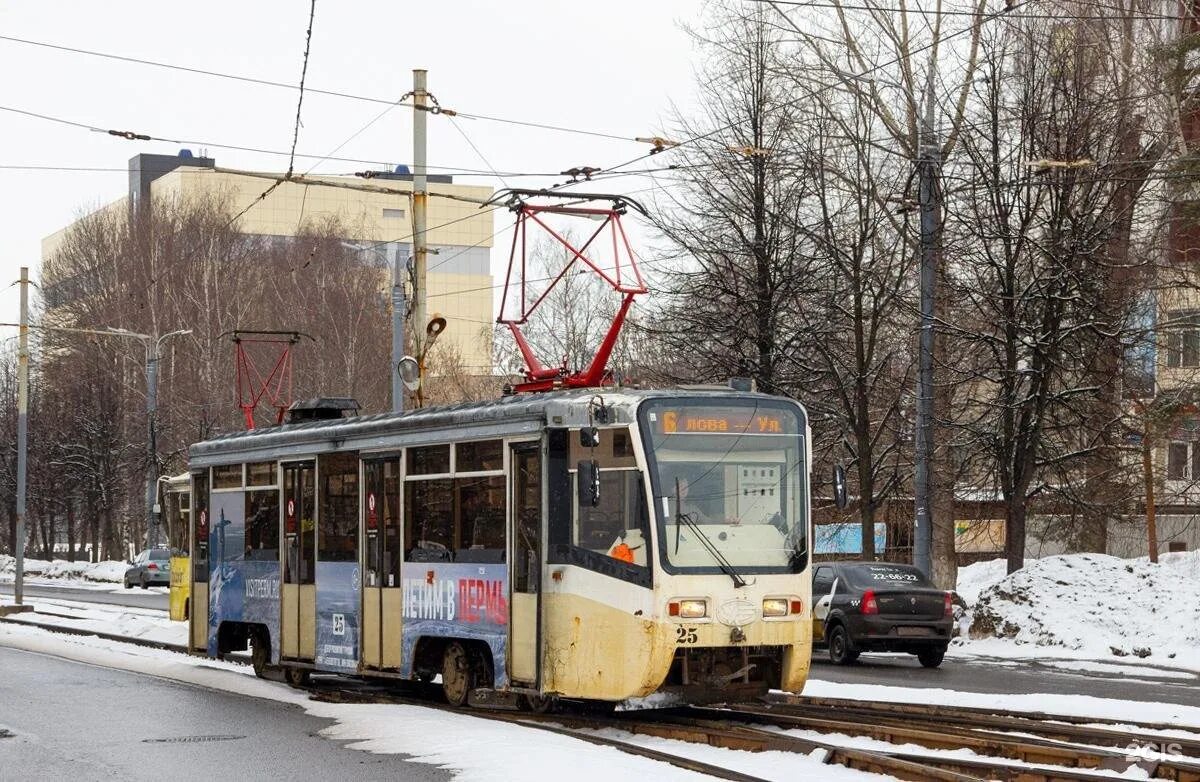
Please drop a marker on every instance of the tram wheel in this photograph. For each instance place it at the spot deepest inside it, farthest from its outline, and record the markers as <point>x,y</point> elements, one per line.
<point>260,654</point>
<point>458,674</point>
<point>297,677</point>
<point>539,704</point>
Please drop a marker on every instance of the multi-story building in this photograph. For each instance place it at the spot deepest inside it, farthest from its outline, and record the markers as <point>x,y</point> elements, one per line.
<point>379,225</point>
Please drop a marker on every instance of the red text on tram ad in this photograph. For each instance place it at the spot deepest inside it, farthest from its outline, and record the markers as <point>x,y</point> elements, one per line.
<point>482,601</point>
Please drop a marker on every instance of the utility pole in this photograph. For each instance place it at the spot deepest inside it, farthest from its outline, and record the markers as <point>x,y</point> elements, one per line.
<point>153,346</point>
<point>420,201</point>
<point>931,219</point>
<point>22,435</point>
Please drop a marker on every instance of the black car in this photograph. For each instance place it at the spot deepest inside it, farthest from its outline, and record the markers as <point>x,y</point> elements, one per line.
<point>879,607</point>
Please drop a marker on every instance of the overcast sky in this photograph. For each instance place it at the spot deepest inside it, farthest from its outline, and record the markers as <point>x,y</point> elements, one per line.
<point>613,67</point>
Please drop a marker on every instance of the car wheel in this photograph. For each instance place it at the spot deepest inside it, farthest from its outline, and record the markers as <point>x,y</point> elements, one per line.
<point>840,652</point>
<point>297,677</point>
<point>142,583</point>
<point>127,584</point>
<point>932,656</point>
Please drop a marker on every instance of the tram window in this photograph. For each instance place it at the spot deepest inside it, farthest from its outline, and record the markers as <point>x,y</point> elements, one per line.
<point>615,449</point>
<point>299,526</point>
<point>337,528</point>
<point>227,476</point>
<point>381,520</point>
<point>262,526</point>
<point>621,518</point>
<point>200,529</point>
<point>260,474</point>
<point>429,510</point>
<point>429,460</point>
<point>481,456</point>
<point>479,517</point>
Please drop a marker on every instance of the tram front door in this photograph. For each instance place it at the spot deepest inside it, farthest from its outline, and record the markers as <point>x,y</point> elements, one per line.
<point>298,612</point>
<point>526,535</point>
<point>382,547</point>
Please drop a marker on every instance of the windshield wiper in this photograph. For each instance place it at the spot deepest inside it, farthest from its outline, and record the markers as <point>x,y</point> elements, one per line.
<point>722,562</point>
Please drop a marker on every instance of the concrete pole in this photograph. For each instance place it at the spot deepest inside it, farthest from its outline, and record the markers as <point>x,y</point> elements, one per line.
<point>22,435</point>
<point>420,202</point>
<point>931,219</point>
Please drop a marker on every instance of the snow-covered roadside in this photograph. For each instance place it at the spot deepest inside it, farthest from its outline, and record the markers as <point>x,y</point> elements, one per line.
<point>1092,610</point>
<point>478,750</point>
<point>146,624</point>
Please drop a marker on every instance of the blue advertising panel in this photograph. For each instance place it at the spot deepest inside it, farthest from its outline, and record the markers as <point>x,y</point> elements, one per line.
<point>456,600</point>
<point>846,538</point>
<point>337,615</point>
<point>239,590</point>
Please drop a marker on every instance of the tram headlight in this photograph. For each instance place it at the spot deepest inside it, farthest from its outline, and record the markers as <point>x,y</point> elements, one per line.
<point>688,609</point>
<point>775,606</point>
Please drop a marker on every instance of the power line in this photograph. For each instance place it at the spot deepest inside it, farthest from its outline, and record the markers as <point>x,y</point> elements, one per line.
<point>285,85</point>
<point>133,136</point>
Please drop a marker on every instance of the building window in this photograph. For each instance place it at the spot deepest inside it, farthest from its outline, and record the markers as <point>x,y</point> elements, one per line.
<point>1183,461</point>
<point>1183,339</point>
<point>393,214</point>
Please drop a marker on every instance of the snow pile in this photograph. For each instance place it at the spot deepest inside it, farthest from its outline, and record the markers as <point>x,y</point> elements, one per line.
<point>63,570</point>
<point>1096,605</point>
<point>974,578</point>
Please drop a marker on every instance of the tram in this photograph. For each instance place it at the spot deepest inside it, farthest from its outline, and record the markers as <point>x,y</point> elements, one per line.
<point>588,544</point>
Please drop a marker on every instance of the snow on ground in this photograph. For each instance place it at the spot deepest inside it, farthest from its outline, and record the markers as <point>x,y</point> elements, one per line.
<point>479,750</point>
<point>143,623</point>
<point>39,569</point>
<point>1086,607</point>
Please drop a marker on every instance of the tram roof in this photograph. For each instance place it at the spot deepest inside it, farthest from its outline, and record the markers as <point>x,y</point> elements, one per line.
<point>506,416</point>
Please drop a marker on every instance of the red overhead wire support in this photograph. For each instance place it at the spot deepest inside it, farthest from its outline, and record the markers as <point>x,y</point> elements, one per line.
<point>625,278</point>
<point>251,385</point>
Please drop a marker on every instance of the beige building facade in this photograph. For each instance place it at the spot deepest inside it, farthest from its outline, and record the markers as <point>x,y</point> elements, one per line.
<point>377,224</point>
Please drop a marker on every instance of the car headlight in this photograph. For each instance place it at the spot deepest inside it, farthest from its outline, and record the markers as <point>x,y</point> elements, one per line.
<point>689,609</point>
<point>775,606</point>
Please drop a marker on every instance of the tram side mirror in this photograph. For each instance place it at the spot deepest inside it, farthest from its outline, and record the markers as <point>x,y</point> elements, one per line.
<point>589,483</point>
<point>589,437</point>
<point>839,487</point>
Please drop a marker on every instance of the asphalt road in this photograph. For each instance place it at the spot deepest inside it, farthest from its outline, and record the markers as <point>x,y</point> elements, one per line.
<point>1007,676</point>
<point>135,597</point>
<point>74,721</point>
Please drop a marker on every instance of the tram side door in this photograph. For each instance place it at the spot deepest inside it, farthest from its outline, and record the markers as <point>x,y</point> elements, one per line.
<point>526,535</point>
<point>381,604</point>
<point>298,611</point>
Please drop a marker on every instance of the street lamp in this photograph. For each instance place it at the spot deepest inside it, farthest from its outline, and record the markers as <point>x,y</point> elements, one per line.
<point>153,346</point>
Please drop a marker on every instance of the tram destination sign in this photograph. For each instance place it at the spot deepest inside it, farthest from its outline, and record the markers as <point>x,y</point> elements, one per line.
<point>724,420</point>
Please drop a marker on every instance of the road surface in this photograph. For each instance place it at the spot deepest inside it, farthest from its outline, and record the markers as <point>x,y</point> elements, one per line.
<point>155,597</point>
<point>74,721</point>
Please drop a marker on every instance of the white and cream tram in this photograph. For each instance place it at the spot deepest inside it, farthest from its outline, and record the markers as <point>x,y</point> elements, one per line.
<point>598,545</point>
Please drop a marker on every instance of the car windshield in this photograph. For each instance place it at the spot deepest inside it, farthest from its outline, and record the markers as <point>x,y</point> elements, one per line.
<point>160,554</point>
<point>729,483</point>
<point>877,576</point>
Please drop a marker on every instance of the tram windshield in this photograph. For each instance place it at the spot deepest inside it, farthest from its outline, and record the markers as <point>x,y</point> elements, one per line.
<point>729,483</point>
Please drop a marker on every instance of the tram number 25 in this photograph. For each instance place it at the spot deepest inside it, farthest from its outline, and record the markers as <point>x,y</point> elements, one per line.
<point>685,635</point>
